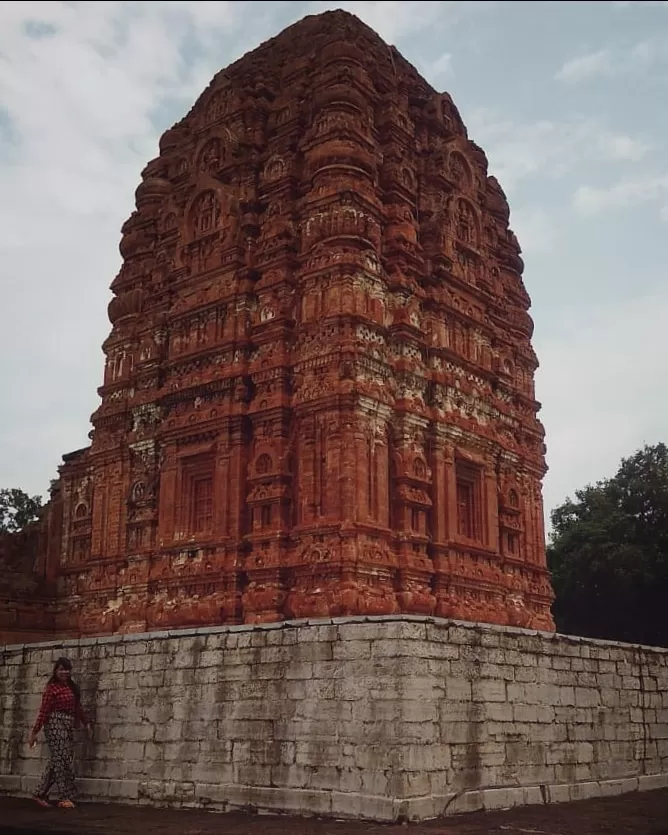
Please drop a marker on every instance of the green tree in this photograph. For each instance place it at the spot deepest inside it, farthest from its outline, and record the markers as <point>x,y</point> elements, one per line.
<point>17,509</point>
<point>608,554</point>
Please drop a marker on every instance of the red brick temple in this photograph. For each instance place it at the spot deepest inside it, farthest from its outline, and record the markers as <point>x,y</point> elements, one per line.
<point>318,397</point>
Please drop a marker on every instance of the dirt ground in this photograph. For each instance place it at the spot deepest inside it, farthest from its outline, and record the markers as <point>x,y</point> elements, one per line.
<point>643,813</point>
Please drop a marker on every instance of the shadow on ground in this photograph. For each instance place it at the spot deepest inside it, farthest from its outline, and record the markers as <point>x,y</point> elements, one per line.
<point>639,813</point>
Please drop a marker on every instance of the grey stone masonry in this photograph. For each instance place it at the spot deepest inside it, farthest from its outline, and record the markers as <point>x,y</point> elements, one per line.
<point>383,718</point>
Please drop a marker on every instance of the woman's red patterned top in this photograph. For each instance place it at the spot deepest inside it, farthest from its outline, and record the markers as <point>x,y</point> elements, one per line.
<point>59,698</point>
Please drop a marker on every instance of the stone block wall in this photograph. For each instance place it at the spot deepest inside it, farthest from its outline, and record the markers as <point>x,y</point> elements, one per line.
<point>383,718</point>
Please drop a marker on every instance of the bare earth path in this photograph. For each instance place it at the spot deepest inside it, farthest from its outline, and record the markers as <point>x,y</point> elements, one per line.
<point>643,813</point>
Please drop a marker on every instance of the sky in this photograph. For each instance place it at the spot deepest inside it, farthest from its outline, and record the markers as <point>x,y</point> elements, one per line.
<point>568,99</point>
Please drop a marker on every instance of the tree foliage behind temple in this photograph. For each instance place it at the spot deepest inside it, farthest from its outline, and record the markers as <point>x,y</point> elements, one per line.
<point>17,509</point>
<point>609,554</point>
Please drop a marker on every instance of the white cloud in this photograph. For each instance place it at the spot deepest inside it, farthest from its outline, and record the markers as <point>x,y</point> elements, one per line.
<point>621,147</point>
<point>78,123</point>
<point>84,142</point>
<point>518,151</point>
<point>625,4</point>
<point>624,194</point>
<point>609,62</point>
<point>603,375</point>
<point>437,70</point>
<point>398,20</point>
<point>78,96</point>
<point>394,20</point>
<point>535,229</point>
<point>80,87</point>
<point>585,66</point>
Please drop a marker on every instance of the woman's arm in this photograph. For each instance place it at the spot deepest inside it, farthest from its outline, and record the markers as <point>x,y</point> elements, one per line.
<point>79,714</point>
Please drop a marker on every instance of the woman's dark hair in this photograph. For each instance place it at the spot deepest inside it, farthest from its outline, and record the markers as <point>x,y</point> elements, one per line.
<point>65,664</point>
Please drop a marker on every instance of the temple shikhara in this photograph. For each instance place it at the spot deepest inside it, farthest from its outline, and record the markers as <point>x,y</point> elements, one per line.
<point>318,397</point>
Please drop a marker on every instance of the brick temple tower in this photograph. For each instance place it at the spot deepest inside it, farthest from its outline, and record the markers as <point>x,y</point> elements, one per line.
<point>318,397</point>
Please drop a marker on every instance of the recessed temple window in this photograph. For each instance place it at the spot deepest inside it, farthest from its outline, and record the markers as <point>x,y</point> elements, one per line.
<point>513,545</point>
<point>468,501</point>
<point>202,504</point>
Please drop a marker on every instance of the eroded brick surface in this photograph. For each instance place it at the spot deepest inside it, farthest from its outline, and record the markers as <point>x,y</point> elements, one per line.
<point>318,397</point>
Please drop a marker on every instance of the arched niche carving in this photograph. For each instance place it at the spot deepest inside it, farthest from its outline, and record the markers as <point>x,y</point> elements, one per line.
<point>267,312</point>
<point>210,209</point>
<point>371,262</point>
<point>317,554</point>
<point>265,459</point>
<point>211,155</point>
<point>179,167</point>
<point>81,511</point>
<point>168,220</point>
<point>274,169</point>
<point>510,493</point>
<point>507,366</point>
<point>408,178</point>
<point>263,464</point>
<point>466,222</point>
<point>459,171</point>
<point>138,491</point>
<point>215,151</point>
<point>205,213</point>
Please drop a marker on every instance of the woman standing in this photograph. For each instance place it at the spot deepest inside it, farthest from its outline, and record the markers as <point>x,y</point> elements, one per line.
<point>59,714</point>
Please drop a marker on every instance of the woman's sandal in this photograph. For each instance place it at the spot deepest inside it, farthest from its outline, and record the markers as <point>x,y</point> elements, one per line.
<point>42,801</point>
<point>65,804</point>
